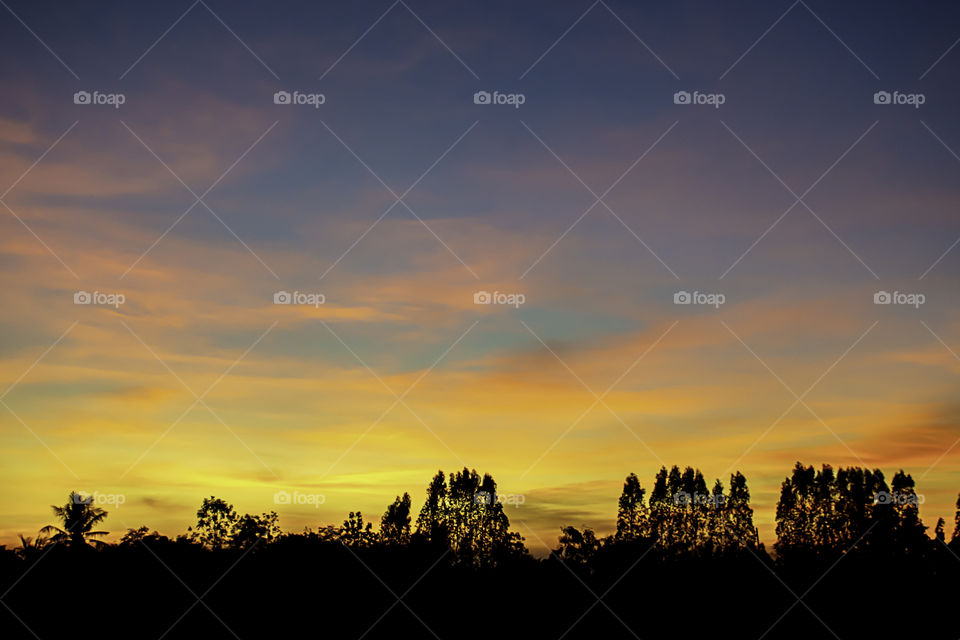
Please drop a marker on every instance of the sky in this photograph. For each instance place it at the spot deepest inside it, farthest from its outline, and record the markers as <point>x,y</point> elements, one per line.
<point>777,164</point>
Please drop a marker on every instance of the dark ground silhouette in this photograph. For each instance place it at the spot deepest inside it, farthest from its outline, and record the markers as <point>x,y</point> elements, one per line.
<point>852,560</point>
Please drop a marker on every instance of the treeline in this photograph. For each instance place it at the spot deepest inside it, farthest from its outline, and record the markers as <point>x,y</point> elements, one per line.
<point>820,512</point>
<point>827,512</point>
<point>852,559</point>
<point>462,515</point>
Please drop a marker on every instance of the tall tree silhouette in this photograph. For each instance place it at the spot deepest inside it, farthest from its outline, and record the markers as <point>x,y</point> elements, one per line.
<point>432,523</point>
<point>467,516</point>
<point>718,532</point>
<point>478,524</point>
<point>910,532</point>
<point>632,514</point>
<point>395,522</point>
<point>955,538</point>
<point>683,517</point>
<point>78,517</point>
<point>738,529</point>
<point>795,511</point>
<point>659,507</point>
<point>827,513</point>
<point>856,500</point>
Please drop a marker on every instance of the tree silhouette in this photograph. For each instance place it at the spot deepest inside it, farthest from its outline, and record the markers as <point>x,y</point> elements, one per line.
<point>659,507</point>
<point>632,514</point>
<point>737,515</point>
<point>956,520</point>
<point>250,530</point>
<point>432,522</point>
<point>79,517</point>
<point>683,517</point>
<point>793,509</point>
<point>395,522</point>
<point>142,535</point>
<point>578,547</point>
<point>467,517</point>
<point>355,533</point>
<point>909,532</point>
<point>31,547</point>
<point>132,536</point>
<point>216,523</point>
<point>827,513</point>
<point>220,527</point>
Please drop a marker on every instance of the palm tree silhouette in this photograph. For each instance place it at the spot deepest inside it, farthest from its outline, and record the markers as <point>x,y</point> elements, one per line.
<point>29,547</point>
<point>79,517</point>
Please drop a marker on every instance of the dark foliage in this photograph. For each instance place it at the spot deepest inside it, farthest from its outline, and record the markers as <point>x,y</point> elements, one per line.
<point>852,559</point>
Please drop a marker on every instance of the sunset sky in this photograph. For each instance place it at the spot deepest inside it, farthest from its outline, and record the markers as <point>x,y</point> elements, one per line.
<point>598,199</point>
